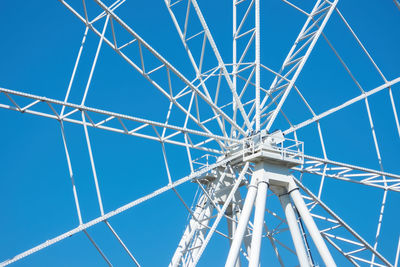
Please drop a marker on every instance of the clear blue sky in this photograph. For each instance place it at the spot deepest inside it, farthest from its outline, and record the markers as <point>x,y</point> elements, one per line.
<point>39,44</point>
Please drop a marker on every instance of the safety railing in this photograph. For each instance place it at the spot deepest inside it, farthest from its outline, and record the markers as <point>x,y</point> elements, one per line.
<point>284,149</point>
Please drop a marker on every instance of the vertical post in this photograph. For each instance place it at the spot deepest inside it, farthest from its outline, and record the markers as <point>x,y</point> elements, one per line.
<point>194,224</point>
<point>311,226</point>
<point>234,65</point>
<point>262,188</point>
<point>257,52</point>
<point>242,225</point>
<point>231,211</point>
<point>294,230</point>
<point>95,60</point>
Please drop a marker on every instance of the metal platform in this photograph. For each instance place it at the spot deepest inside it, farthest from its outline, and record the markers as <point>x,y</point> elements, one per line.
<point>274,149</point>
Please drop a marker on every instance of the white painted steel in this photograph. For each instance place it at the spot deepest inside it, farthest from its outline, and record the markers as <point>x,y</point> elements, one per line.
<point>242,225</point>
<point>294,230</point>
<point>171,69</point>
<point>200,236</point>
<point>258,225</point>
<point>221,63</point>
<point>221,212</point>
<point>122,244</point>
<point>234,61</point>
<point>342,223</point>
<point>257,63</point>
<point>232,226</point>
<point>108,116</point>
<point>203,209</point>
<point>345,104</point>
<point>75,68</point>
<point>233,146</point>
<point>71,174</point>
<point>114,212</point>
<point>303,59</point>
<point>98,249</point>
<point>311,226</point>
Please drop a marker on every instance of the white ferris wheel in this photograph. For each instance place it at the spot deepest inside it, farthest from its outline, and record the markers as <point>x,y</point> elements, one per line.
<point>205,133</point>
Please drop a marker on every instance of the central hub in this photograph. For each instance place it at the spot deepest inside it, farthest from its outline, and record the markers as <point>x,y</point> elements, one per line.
<point>273,148</point>
<point>272,157</point>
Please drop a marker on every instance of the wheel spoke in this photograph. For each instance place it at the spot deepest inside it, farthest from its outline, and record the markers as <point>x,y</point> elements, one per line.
<point>320,12</point>
<point>206,33</point>
<point>141,66</point>
<point>342,106</point>
<point>350,173</point>
<point>102,121</point>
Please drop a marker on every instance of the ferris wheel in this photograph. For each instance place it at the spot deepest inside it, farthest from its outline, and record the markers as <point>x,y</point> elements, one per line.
<point>195,133</point>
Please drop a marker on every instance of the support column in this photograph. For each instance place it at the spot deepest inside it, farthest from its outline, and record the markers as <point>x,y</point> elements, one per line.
<point>311,226</point>
<point>242,225</point>
<point>247,234</point>
<point>202,209</point>
<point>199,237</point>
<point>294,230</point>
<point>258,215</point>
<point>232,212</point>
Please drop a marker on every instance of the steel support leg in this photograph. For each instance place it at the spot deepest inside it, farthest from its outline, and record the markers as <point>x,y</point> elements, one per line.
<point>258,216</point>
<point>232,212</point>
<point>242,225</point>
<point>199,213</point>
<point>247,234</point>
<point>311,226</point>
<point>198,239</point>
<point>294,230</point>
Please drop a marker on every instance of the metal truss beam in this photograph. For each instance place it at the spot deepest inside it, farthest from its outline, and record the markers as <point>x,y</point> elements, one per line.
<point>297,57</point>
<point>331,233</point>
<point>196,234</point>
<point>140,65</point>
<point>192,233</point>
<point>207,35</point>
<point>245,35</point>
<point>221,211</point>
<point>350,173</point>
<point>106,117</point>
<point>197,66</point>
